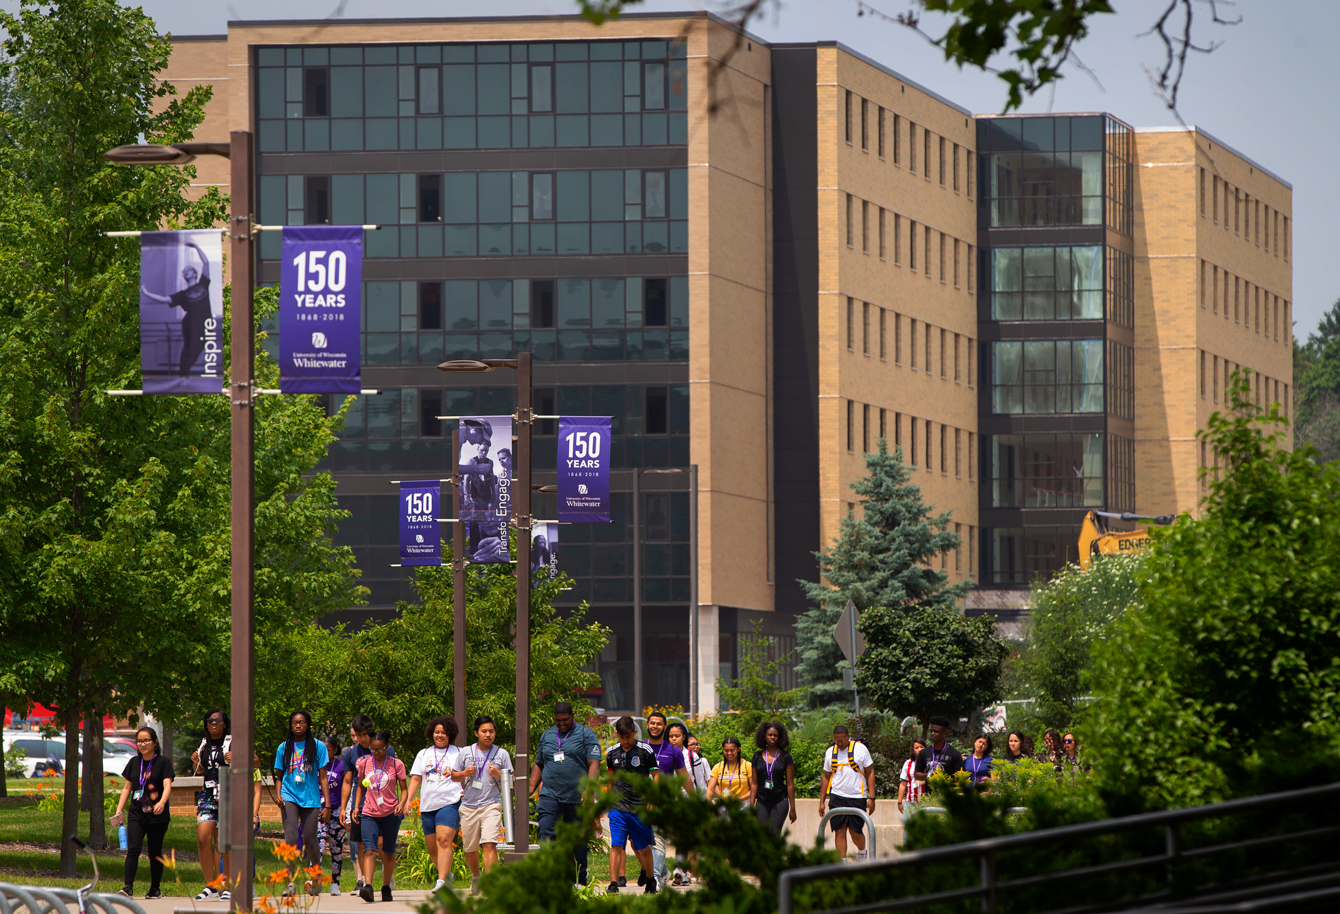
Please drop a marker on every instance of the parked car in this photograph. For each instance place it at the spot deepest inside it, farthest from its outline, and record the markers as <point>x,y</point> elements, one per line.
<point>42,755</point>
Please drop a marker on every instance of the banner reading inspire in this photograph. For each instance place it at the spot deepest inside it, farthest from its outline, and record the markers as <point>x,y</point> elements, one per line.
<point>320,295</point>
<point>181,312</point>
<point>584,469</point>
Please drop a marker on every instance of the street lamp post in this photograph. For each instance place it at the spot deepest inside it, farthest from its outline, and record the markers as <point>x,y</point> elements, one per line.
<point>521,513</point>
<point>458,593</point>
<point>241,393</point>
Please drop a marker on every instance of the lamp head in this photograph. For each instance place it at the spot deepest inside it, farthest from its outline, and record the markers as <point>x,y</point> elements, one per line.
<point>465,365</point>
<point>148,154</point>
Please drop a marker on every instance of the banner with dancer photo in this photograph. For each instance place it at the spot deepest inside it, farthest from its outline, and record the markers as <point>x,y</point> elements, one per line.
<point>544,550</point>
<point>584,469</point>
<point>181,312</point>
<point>485,468</point>
<point>420,536</point>
<point>320,302</point>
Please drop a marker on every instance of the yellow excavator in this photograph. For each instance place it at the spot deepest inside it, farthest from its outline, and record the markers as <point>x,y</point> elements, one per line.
<point>1096,537</point>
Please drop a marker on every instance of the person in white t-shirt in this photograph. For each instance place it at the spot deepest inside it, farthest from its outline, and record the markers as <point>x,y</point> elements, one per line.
<point>848,783</point>
<point>909,788</point>
<point>439,794</point>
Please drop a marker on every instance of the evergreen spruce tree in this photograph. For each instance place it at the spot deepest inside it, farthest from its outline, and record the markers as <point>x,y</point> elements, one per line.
<point>882,557</point>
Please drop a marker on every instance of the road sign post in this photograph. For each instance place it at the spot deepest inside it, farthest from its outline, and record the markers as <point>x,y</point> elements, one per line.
<point>852,642</point>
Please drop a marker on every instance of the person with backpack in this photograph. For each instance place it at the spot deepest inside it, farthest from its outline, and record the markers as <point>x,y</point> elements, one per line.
<point>480,768</point>
<point>848,783</point>
<point>382,781</point>
<point>301,761</point>
<point>214,752</point>
<point>440,794</point>
<point>636,759</point>
<point>939,755</point>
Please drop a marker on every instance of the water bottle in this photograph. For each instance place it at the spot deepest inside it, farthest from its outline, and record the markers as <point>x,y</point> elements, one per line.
<point>121,836</point>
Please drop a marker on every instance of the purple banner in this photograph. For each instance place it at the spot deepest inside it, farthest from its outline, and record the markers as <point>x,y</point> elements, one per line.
<point>420,536</point>
<point>181,312</point>
<point>584,469</point>
<point>544,550</point>
<point>320,295</point>
<point>485,468</point>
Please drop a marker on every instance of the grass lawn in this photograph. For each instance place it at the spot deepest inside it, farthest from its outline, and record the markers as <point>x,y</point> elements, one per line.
<point>30,855</point>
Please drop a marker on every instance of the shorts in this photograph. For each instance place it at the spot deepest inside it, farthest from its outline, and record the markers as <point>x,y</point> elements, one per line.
<point>446,817</point>
<point>206,806</point>
<point>625,826</point>
<point>481,825</point>
<point>386,826</point>
<point>855,823</point>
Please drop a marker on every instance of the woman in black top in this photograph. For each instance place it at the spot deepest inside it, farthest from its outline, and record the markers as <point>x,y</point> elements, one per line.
<point>774,776</point>
<point>214,752</point>
<point>1014,747</point>
<point>148,786</point>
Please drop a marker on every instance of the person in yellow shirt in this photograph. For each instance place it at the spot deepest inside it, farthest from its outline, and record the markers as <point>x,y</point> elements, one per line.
<point>732,776</point>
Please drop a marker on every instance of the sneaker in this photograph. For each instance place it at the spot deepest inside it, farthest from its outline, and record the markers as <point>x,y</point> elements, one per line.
<point>641,879</point>
<point>365,893</point>
<point>289,891</point>
<point>358,886</point>
<point>207,894</point>
<point>126,892</point>
<point>623,882</point>
<point>611,889</point>
<point>439,885</point>
<point>651,886</point>
<point>334,889</point>
<point>154,893</point>
<point>860,855</point>
<point>386,893</point>
<point>582,879</point>
<point>225,895</point>
<point>311,888</point>
<point>678,877</point>
<point>474,885</point>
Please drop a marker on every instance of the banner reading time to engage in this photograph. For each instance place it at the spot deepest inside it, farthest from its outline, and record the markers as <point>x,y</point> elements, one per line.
<point>420,537</point>
<point>584,469</point>
<point>486,473</point>
<point>320,296</point>
<point>181,312</point>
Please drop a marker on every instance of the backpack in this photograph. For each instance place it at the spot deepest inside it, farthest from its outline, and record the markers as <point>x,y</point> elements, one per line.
<point>204,744</point>
<point>849,763</point>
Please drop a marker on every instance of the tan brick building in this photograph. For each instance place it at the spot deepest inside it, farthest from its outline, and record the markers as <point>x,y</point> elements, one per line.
<point>835,255</point>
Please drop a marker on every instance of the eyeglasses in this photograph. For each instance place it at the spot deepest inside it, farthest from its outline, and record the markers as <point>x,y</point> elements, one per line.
<point>144,742</point>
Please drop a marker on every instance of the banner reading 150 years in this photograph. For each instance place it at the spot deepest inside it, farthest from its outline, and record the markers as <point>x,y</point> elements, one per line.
<point>485,469</point>
<point>420,536</point>
<point>584,469</point>
<point>181,312</point>
<point>320,289</point>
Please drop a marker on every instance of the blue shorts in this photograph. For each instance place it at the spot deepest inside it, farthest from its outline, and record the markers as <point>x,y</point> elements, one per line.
<point>446,817</point>
<point>386,826</point>
<point>624,826</point>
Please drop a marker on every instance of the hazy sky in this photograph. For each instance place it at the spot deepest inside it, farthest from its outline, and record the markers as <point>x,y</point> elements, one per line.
<point>1258,92</point>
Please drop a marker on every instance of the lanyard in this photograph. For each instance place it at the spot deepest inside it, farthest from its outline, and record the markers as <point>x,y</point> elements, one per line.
<point>381,770</point>
<point>938,757</point>
<point>480,769</point>
<point>438,760</point>
<point>769,764</point>
<point>559,735</point>
<point>145,769</point>
<point>725,770</point>
<point>975,765</point>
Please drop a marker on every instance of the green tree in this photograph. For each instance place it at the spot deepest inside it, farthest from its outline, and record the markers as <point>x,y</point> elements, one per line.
<point>114,512</point>
<point>1316,379</point>
<point>401,672</point>
<point>930,660</point>
<point>882,557</point>
<point>755,692</point>
<point>1066,616</point>
<point>1227,680</point>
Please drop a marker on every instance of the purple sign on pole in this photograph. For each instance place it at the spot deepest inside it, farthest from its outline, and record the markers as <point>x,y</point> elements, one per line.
<point>420,537</point>
<point>181,312</point>
<point>485,469</point>
<point>320,295</point>
<point>584,469</point>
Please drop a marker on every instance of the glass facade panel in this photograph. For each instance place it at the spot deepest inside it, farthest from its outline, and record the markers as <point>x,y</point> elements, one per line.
<point>1043,171</point>
<point>1047,283</point>
<point>1020,555</point>
<point>1047,471</point>
<point>1047,376</point>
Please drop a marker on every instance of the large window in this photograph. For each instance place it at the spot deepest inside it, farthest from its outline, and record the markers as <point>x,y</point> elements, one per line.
<point>1018,555</point>
<point>493,213</point>
<point>1047,376</point>
<point>466,96</point>
<point>1044,170</point>
<point>1047,283</point>
<point>1047,471</point>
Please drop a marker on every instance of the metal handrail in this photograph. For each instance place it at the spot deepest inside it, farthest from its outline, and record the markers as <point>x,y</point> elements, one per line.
<point>848,811</point>
<point>986,850</point>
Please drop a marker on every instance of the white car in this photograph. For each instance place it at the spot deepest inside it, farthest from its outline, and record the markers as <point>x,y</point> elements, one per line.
<point>39,753</point>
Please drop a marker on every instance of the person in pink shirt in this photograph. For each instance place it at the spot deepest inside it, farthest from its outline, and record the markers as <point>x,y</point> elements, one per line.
<point>381,784</point>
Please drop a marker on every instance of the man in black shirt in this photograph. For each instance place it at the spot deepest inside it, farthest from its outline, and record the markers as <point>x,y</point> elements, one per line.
<point>632,758</point>
<point>939,754</point>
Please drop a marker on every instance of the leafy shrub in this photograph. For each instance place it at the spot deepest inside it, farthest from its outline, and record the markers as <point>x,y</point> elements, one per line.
<point>15,763</point>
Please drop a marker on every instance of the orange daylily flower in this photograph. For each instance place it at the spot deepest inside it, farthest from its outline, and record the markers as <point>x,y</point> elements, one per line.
<point>169,862</point>
<point>265,906</point>
<point>219,882</point>
<point>278,877</point>
<point>288,901</point>
<point>286,852</point>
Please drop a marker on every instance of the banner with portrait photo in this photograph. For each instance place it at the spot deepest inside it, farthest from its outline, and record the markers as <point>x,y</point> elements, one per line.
<point>584,469</point>
<point>544,550</point>
<point>320,296</point>
<point>181,312</point>
<point>486,472</point>
<point>420,536</point>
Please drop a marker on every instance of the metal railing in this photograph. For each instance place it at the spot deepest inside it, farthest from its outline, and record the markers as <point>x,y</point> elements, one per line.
<point>1309,883</point>
<point>848,811</point>
<point>43,900</point>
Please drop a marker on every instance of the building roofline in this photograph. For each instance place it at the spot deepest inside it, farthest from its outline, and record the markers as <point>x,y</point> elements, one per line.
<point>223,37</point>
<point>874,63</point>
<point>1192,128</point>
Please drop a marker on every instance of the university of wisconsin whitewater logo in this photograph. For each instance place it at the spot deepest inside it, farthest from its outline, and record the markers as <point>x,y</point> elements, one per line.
<point>319,340</point>
<point>418,537</point>
<point>581,488</point>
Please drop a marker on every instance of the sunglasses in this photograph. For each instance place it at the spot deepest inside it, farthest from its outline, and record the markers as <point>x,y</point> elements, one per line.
<point>1068,740</point>
<point>214,720</point>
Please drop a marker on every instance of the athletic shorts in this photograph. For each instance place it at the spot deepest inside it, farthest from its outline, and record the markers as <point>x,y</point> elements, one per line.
<point>624,827</point>
<point>385,826</point>
<point>445,817</point>
<point>481,825</point>
<point>855,823</point>
<point>206,806</point>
